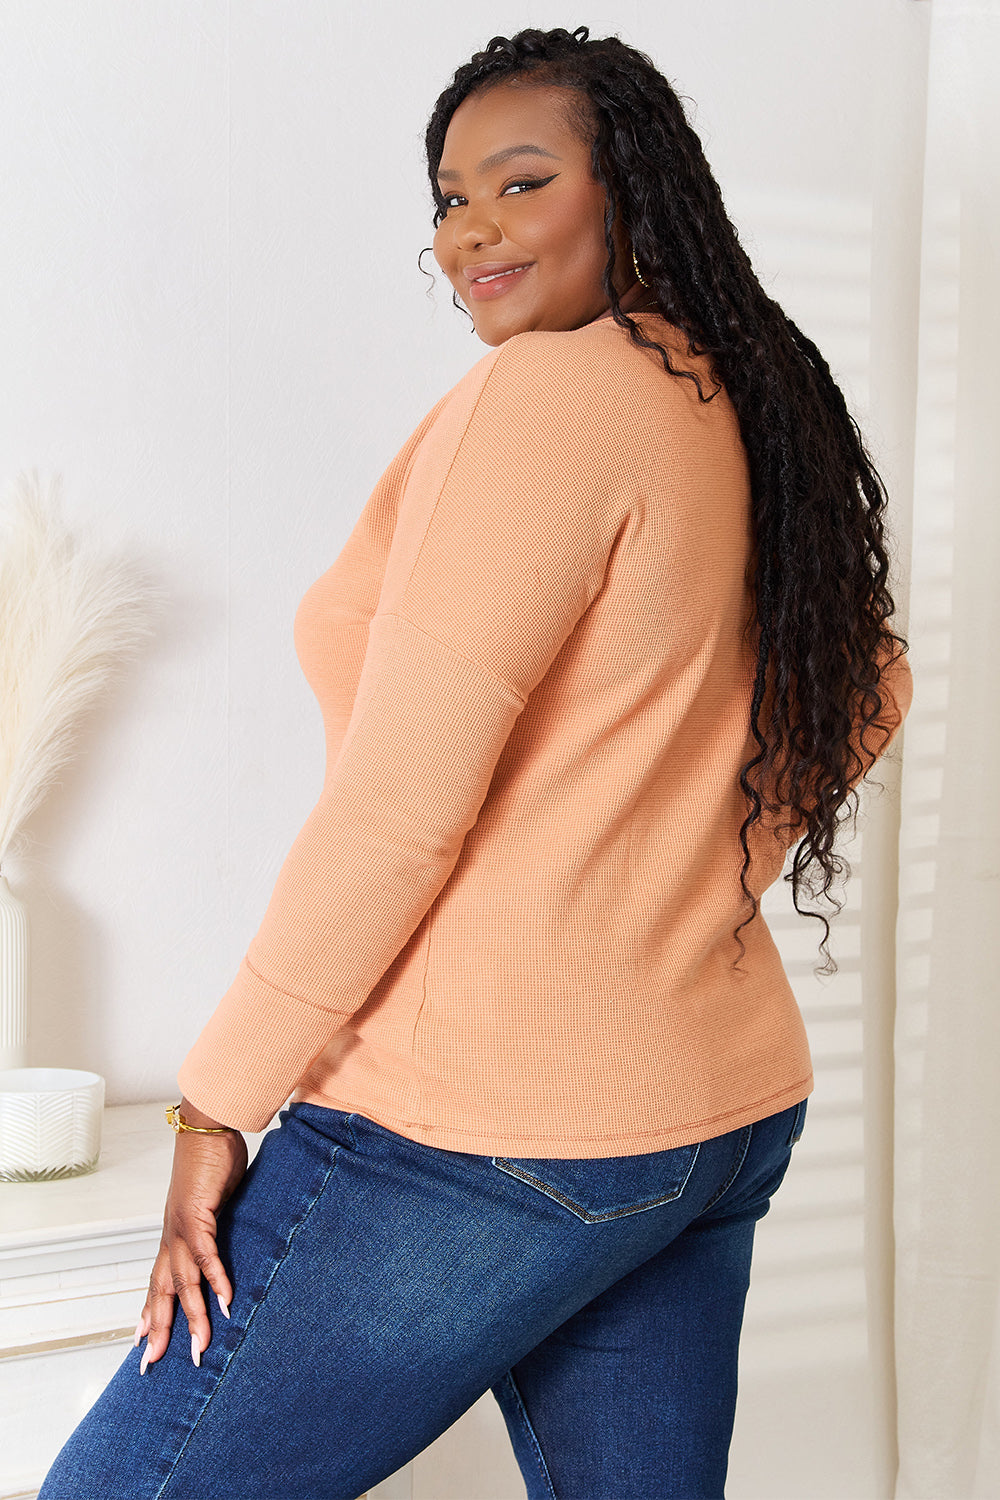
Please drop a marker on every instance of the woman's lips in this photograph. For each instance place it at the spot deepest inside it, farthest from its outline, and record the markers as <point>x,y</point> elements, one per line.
<point>485,291</point>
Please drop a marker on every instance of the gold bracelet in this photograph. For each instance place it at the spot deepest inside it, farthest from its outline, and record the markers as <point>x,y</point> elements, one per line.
<point>177,1122</point>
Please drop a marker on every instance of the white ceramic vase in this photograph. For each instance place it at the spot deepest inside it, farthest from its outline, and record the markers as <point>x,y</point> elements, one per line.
<point>13,979</point>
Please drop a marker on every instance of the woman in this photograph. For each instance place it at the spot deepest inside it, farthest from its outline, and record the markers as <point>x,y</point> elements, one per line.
<point>609,638</point>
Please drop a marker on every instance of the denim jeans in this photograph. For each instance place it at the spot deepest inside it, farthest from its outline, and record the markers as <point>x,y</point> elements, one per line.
<point>381,1287</point>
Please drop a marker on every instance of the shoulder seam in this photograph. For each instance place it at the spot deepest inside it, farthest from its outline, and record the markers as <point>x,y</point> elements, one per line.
<point>454,460</point>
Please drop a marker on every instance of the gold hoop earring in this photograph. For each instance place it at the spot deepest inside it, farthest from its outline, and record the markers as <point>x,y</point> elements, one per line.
<point>637,271</point>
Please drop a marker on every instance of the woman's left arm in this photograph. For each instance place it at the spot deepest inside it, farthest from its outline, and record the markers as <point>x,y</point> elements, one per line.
<point>502,541</point>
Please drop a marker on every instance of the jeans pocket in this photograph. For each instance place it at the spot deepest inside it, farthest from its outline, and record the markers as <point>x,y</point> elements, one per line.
<point>597,1188</point>
<point>798,1122</point>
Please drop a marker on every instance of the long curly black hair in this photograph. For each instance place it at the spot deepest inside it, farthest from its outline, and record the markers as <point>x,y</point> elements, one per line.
<point>819,570</point>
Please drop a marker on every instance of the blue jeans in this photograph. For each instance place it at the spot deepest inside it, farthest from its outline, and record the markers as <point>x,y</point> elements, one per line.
<point>381,1287</point>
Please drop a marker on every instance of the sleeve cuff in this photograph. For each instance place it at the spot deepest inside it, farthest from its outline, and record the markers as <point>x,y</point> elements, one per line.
<point>226,1073</point>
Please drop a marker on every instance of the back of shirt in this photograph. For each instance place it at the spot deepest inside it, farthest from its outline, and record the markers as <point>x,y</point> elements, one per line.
<point>507,927</point>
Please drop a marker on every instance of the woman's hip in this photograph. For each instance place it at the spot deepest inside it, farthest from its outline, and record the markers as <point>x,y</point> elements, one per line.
<point>381,1286</point>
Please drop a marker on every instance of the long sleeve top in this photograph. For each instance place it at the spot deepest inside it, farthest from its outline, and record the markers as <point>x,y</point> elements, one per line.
<point>506,927</point>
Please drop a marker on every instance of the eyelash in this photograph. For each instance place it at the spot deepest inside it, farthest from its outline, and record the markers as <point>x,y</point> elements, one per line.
<point>522,182</point>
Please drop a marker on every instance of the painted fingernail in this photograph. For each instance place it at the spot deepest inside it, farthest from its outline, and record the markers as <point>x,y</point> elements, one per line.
<point>145,1361</point>
<point>195,1351</point>
<point>224,1306</point>
<point>138,1334</point>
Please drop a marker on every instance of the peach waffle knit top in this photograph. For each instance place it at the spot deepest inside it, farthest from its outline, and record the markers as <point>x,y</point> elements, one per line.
<point>506,927</point>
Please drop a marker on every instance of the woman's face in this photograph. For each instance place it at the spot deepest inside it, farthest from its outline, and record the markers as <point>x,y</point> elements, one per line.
<point>517,184</point>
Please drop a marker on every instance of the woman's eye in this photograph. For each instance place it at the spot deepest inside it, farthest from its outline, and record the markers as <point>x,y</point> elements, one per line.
<point>524,182</point>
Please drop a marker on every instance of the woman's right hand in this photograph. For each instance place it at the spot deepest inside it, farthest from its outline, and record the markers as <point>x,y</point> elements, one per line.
<point>206,1171</point>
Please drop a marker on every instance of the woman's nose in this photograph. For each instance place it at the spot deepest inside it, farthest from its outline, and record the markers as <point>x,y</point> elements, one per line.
<point>477,228</point>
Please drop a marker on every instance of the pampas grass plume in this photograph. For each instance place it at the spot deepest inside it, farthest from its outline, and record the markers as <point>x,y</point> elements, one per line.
<point>69,618</point>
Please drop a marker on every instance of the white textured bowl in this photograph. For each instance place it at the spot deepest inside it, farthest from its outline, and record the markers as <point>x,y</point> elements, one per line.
<point>50,1123</point>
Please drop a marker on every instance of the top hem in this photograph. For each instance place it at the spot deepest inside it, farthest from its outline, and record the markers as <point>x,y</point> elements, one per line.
<point>482,1143</point>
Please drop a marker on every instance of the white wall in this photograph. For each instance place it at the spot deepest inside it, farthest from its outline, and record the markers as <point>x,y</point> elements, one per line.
<point>216,331</point>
